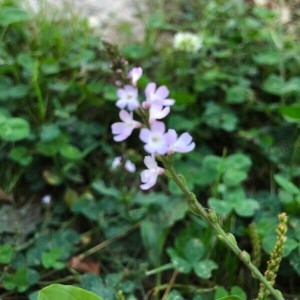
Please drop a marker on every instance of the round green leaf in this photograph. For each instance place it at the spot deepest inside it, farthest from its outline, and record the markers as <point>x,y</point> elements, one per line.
<point>233,177</point>
<point>204,268</point>
<point>180,263</point>
<point>14,129</point>
<point>66,292</point>
<point>246,207</point>
<point>21,155</point>
<point>193,250</point>
<point>220,206</point>
<point>236,94</point>
<point>71,152</point>
<point>6,253</point>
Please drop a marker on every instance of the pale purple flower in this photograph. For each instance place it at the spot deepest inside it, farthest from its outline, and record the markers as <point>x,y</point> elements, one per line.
<point>135,74</point>
<point>129,166</point>
<point>155,138</point>
<point>157,111</point>
<point>122,130</point>
<point>158,95</point>
<point>116,162</point>
<point>182,144</point>
<point>46,199</point>
<point>128,97</point>
<point>149,176</point>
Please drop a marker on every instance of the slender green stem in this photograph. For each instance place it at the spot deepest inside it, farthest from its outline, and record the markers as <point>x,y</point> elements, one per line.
<point>160,269</point>
<point>212,219</point>
<point>107,242</point>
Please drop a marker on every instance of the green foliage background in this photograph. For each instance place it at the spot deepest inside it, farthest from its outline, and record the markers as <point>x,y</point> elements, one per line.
<point>238,96</point>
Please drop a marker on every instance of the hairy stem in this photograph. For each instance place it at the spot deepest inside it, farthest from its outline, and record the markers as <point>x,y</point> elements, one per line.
<point>212,219</point>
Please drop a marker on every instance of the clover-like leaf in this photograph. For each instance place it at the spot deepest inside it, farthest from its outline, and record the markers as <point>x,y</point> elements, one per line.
<point>246,207</point>
<point>193,250</point>
<point>204,268</point>
<point>14,129</point>
<point>220,206</point>
<point>180,264</point>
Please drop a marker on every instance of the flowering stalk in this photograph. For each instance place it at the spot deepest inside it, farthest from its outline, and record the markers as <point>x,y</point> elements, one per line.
<point>161,144</point>
<point>212,219</point>
<point>275,256</point>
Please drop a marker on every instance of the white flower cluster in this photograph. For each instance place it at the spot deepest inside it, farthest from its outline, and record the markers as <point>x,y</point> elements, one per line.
<point>187,42</point>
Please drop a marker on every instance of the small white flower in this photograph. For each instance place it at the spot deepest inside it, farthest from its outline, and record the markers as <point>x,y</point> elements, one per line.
<point>116,162</point>
<point>149,176</point>
<point>261,2</point>
<point>94,22</point>
<point>129,166</point>
<point>46,199</point>
<point>187,42</point>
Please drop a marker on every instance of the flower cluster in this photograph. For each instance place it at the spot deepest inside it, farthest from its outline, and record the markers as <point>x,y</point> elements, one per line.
<point>187,42</point>
<point>128,165</point>
<point>157,140</point>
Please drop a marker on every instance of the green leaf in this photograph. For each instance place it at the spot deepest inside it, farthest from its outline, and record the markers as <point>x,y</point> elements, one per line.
<point>204,268</point>
<point>10,15</point>
<point>210,170</point>
<point>51,259</point>
<point>102,189</point>
<point>193,250</point>
<point>87,207</point>
<point>286,184</point>
<point>292,86</point>
<point>220,206</point>
<point>71,152</point>
<point>234,177</point>
<point>66,292</point>
<point>20,280</point>
<point>14,129</point>
<point>95,284</point>
<point>21,155</point>
<point>219,117</point>
<point>238,161</point>
<point>175,295</point>
<point>220,292</point>
<point>153,237</point>
<point>183,98</point>
<point>49,132</point>
<point>51,148</point>
<point>6,253</point>
<point>180,264</point>
<point>291,112</point>
<point>267,58</point>
<point>246,207</point>
<point>295,262</point>
<point>237,291</point>
<point>274,84</point>
<point>236,94</point>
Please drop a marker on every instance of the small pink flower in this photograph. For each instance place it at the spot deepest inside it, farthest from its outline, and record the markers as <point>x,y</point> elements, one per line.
<point>149,176</point>
<point>155,138</point>
<point>129,166</point>
<point>128,97</point>
<point>157,111</point>
<point>158,95</point>
<point>122,130</point>
<point>183,144</point>
<point>135,74</point>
